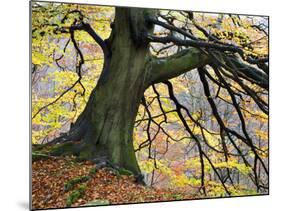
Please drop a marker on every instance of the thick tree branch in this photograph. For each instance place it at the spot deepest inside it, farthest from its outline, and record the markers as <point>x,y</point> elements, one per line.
<point>162,69</point>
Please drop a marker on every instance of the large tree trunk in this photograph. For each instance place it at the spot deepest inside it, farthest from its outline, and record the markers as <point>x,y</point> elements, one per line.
<point>117,98</point>
<point>109,116</point>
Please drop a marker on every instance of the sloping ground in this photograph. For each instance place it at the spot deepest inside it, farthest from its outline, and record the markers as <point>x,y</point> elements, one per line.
<point>62,182</point>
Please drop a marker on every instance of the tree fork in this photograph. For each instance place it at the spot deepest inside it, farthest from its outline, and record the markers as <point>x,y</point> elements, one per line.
<point>105,127</point>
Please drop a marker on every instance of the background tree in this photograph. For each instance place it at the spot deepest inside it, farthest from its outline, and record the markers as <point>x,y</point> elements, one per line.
<point>141,53</point>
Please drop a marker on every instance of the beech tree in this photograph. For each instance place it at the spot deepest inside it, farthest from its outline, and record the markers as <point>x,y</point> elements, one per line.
<point>133,63</point>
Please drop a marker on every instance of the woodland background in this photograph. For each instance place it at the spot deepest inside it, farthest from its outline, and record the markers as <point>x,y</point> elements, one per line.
<point>18,117</point>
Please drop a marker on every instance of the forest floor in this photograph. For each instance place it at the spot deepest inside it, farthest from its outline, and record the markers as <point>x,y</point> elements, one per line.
<point>63,182</point>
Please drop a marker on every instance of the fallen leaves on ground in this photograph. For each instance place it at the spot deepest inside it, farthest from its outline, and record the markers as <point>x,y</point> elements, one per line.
<point>49,177</point>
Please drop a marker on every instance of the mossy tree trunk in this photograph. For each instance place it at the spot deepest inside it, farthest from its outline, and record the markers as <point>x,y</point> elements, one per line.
<point>117,97</point>
<point>105,127</point>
